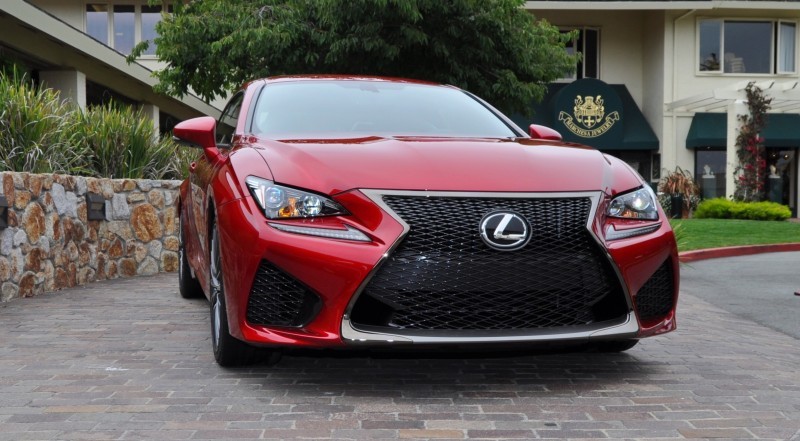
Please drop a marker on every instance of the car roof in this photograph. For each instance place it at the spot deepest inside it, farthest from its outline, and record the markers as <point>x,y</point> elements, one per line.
<point>332,77</point>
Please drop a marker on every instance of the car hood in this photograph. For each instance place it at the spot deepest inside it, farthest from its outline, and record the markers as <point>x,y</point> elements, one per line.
<point>437,164</point>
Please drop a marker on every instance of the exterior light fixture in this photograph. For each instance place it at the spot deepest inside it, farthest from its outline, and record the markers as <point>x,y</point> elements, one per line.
<point>95,206</point>
<point>3,212</point>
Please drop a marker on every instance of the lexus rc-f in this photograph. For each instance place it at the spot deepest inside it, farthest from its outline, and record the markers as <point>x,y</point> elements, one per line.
<point>332,211</point>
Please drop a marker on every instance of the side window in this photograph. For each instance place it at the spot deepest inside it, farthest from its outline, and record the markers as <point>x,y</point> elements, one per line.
<point>226,125</point>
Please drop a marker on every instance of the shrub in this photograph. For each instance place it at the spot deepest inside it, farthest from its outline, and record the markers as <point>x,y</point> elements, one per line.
<point>40,133</point>
<point>37,129</point>
<point>721,208</point>
<point>123,144</point>
<point>679,182</point>
<point>718,208</point>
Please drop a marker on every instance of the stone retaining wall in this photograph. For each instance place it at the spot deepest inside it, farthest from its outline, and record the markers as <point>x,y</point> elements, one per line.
<point>50,244</point>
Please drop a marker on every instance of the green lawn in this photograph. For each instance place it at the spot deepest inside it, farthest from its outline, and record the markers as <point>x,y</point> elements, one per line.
<point>694,234</point>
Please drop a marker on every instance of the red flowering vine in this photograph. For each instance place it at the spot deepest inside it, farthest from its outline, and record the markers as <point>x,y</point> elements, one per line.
<point>750,147</point>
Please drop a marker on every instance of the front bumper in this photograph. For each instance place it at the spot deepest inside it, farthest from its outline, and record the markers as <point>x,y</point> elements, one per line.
<point>337,272</point>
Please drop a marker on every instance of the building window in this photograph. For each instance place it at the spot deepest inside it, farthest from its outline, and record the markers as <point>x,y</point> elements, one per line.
<point>747,46</point>
<point>122,26</point>
<point>97,22</point>
<point>710,168</point>
<point>151,15</point>
<point>588,44</point>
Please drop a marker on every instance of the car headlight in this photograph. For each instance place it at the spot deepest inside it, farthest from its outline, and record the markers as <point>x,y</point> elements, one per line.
<point>279,202</point>
<point>639,204</point>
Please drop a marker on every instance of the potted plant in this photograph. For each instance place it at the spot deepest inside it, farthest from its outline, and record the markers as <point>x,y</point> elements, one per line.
<point>678,193</point>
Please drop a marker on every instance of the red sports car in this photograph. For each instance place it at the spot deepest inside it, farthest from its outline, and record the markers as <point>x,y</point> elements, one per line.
<point>330,211</point>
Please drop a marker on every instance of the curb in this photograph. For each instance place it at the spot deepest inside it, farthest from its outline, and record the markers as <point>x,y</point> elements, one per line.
<point>714,253</point>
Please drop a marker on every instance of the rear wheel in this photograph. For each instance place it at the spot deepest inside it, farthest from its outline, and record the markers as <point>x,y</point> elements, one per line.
<point>228,351</point>
<point>188,286</point>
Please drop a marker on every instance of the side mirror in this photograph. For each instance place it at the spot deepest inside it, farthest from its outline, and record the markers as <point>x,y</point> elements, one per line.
<point>543,132</point>
<point>196,132</point>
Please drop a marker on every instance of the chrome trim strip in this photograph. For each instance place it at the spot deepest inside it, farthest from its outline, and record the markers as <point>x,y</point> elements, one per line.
<point>614,234</point>
<point>629,328</point>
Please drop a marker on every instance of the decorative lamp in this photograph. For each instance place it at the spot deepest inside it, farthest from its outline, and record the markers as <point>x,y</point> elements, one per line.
<point>3,212</point>
<point>95,206</point>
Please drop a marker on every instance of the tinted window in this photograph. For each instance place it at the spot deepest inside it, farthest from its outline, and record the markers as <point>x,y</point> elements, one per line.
<point>331,109</point>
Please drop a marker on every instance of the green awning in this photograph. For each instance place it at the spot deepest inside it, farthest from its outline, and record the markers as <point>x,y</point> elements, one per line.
<point>709,130</point>
<point>630,130</point>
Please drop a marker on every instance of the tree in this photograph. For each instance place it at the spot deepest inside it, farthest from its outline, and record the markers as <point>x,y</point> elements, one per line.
<point>750,172</point>
<point>493,48</point>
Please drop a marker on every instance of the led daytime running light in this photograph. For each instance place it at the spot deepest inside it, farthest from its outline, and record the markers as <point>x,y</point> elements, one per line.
<point>349,233</point>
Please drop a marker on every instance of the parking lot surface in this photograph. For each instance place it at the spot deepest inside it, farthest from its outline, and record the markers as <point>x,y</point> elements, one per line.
<point>128,360</point>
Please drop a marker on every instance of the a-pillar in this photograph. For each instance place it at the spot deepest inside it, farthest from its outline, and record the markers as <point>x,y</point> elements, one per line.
<point>70,83</point>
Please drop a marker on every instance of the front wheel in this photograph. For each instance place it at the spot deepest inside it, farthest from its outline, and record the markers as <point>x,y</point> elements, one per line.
<point>228,351</point>
<point>188,286</point>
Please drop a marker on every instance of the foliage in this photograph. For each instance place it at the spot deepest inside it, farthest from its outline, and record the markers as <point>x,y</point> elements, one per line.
<point>750,147</point>
<point>123,145</point>
<point>721,208</point>
<point>678,182</point>
<point>493,48</point>
<point>717,208</point>
<point>40,133</point>
<point>37,129</point>
<point>713,233</point>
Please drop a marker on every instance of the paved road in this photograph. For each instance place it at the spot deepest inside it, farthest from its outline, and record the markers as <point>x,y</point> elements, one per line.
<point>129,360</point>
<point>759,287</point>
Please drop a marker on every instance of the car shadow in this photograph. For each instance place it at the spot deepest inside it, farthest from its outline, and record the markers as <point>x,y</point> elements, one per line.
<point>382,372</point>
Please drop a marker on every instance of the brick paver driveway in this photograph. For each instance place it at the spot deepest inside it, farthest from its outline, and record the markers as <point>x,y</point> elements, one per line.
<point>128,359</point>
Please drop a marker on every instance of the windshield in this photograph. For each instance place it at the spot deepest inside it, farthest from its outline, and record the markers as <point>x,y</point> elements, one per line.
<point>355,108</point>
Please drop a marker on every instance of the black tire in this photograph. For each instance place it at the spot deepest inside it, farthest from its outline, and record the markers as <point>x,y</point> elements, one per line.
<point>228,350</point>
<point>613,345</point>
<point>188,286</point>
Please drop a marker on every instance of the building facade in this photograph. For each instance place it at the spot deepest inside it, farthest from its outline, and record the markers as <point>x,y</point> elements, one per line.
<point>660,83</point>
<point>80,47</point>
<point>685,65</point>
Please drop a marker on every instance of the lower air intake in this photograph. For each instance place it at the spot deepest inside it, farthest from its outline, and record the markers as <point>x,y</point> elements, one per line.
<point>655,298</point>
<point>277,299</point>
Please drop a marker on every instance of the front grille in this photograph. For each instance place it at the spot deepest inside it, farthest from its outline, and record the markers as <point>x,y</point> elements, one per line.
<point>444,277</point>
<point>656,297</point>
<point>277,299</point>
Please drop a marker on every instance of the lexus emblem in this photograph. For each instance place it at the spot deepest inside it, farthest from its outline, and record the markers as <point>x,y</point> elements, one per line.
<point>505,230</point>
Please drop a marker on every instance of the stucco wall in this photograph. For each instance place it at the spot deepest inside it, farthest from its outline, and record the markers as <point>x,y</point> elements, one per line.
<point>50,244</point>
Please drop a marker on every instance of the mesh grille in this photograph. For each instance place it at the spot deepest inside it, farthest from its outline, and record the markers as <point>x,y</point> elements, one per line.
<point>655,298</point>
<point>444,277</point>
<point>277,299</point>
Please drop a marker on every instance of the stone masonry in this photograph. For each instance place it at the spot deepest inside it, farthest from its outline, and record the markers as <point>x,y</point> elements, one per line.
<point>50,244</point>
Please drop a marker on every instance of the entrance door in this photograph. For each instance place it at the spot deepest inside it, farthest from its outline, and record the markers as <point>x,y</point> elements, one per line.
<point>781,179</point>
